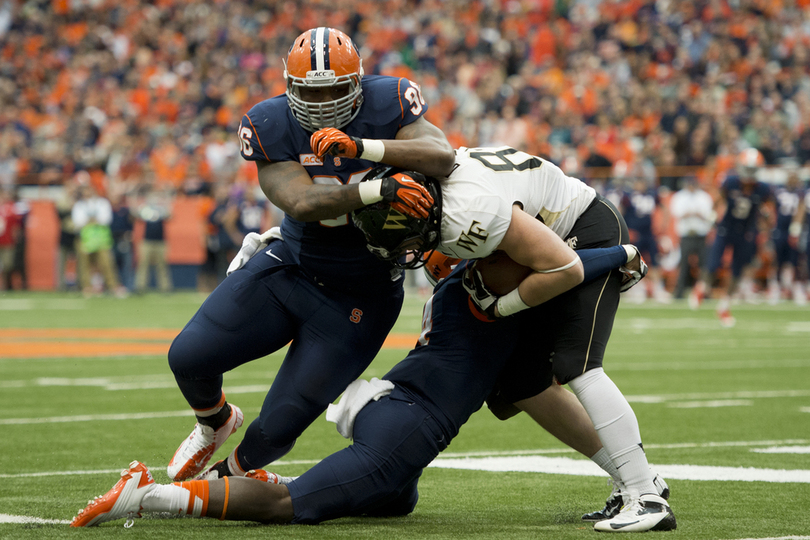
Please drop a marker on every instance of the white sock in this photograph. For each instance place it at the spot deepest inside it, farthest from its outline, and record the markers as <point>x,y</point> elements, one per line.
<point>172,498</point>
<point>602,459</point>
<point>617,427</point>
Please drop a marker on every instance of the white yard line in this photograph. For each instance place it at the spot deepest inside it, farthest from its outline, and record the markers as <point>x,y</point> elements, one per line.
<point>711,404</point>
<point>8,518</point>
<point>782,450</point>
<point>94,417</point>
<point>582,467</point>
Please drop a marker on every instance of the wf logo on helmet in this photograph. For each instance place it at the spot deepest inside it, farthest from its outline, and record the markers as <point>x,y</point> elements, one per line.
<point>395,220</point>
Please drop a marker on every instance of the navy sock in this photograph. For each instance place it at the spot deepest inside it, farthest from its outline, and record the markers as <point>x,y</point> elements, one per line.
<point>600,261</point>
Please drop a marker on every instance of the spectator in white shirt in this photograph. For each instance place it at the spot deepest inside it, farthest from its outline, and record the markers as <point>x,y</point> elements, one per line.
<point>92,215</point>
<point>693,210</point>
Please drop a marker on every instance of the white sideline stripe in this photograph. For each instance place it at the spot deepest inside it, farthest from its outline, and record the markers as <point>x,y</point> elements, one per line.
<point>581,467</point>
<point>118,470</point>
<point>710,404</point>
<point>783,450</point>
<point>780,538</point>
<point>8,518</point>
<point>149,382</point>
<point>804,409</point>
<point>707,366</point>
<point>93,417</point>
<point>744,394</point>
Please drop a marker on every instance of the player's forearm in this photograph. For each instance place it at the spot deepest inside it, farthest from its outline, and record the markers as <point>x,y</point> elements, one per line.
<point>291,189</point>
<point>323,202</point>
<point>538,288</point>
<point>422,147</point>
<point>430,156</point>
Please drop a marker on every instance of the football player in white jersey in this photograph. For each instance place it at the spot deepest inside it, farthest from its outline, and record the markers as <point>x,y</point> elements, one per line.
<point>504,199</point>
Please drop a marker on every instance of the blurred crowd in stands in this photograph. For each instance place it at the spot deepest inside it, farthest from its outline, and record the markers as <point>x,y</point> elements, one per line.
<point>135,98</point>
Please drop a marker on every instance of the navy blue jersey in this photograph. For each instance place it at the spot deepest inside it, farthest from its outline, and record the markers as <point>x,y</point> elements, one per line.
<point>743,202</point>
<point>638,208</point>
<point>787,202</point>
<point>332,251</point>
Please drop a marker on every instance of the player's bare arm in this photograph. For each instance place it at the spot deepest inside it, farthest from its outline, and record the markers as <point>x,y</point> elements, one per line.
<point>530,243</point>
<point>420,146</point>
<point>290,188</point>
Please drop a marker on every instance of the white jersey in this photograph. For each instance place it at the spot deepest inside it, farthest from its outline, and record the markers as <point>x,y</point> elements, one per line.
<point>478,195</point>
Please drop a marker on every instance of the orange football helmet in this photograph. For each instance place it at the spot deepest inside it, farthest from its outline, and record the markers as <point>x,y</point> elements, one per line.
<point>324,58</point>
<point>748,162</point>
<point>438,266</point>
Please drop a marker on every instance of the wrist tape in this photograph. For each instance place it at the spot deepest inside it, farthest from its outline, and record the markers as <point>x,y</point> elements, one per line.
<point>373,150</point>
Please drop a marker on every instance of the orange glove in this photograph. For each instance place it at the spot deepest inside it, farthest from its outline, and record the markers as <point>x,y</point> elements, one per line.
<point>406,195</point>
<point>336,143</point>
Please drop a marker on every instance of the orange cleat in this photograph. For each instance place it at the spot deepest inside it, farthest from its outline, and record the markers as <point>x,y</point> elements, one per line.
<point>726,319</point>
<point>122,501</point>
<point>269,477</point>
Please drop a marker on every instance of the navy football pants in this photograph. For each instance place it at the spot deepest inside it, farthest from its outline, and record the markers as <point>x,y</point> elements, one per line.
<point>256,311</point>
<point>394,439</point>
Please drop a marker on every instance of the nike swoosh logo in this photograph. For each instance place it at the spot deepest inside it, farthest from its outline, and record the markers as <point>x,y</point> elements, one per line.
<point>622,465</point>
<point>622,525</point>
<point>272,255</point>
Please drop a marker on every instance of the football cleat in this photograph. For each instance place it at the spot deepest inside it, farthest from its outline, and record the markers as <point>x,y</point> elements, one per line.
<point>726,319</point>
<point>695,297</point>
<point>631,277</point>
<point>213,472</point>
<point>662,487</point>
<point>269,477</point>
<point>647,513</point>
<point>122,501</point>
<point>194,453</point>
<point>612,506</point>
<point>616,499</point>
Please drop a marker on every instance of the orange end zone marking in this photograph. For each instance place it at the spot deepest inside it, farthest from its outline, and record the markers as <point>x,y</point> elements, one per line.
<point>100,342</point>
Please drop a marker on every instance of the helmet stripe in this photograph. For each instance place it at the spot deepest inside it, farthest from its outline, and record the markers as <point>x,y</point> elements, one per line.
<point>319,49</point>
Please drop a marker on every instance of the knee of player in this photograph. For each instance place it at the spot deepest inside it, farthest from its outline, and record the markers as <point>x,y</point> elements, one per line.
<point>183,356</point>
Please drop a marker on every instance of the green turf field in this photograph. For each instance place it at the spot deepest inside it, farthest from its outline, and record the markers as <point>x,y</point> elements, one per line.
<point>711,402</point>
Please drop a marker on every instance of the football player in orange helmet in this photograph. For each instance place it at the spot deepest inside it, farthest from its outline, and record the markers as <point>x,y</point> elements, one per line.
<point>323,71</point>
<point>310,283</point>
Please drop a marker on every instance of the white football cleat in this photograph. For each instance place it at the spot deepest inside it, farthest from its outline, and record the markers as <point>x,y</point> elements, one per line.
<point>195,452</point>
<point>615,500</point>
<point>647,513</point>
<point>613,505</point>
<point>122,501</point>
